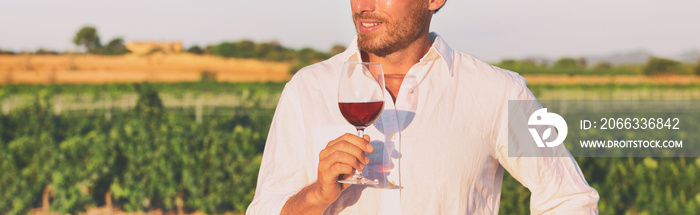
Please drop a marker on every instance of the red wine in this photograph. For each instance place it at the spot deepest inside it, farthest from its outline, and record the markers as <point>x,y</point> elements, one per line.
<point>361,113</point>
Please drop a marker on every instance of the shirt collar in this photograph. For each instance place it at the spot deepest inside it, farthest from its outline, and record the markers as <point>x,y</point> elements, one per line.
<point>439,47</point>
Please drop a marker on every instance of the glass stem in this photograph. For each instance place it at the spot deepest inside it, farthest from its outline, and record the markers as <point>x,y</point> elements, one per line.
<point>361,134</point>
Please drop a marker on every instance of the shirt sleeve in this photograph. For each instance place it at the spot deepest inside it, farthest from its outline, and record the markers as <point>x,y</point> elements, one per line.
<point>282,173</point>
<point>556,183</point>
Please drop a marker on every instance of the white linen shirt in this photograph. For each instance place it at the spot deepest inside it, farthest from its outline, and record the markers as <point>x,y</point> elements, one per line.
<point>444,151</point>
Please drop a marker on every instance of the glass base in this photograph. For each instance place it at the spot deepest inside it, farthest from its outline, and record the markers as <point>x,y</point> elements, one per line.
<point>358,179</point>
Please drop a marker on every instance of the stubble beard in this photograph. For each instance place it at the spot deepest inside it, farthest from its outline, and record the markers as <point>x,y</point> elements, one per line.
<point>399,33</point>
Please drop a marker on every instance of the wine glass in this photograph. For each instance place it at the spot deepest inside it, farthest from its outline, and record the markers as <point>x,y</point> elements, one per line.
<point>361,100</point>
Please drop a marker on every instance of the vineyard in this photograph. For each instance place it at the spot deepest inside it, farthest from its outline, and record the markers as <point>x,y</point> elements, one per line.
<point>187,147</point>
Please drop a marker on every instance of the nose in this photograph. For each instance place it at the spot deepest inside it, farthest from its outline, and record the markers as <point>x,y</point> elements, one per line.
<point>360,6</point>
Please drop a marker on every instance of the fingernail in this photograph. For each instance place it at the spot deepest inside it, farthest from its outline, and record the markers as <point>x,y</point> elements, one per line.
<point>369,147</point>
<point>366,160</point>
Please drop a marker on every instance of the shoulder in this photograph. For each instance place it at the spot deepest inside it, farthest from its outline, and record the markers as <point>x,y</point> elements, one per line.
<point>470,69</point>
<point>317,82</point>
<point>324,72</point>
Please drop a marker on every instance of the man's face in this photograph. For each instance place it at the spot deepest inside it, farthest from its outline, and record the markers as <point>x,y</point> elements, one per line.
<point>387,26</point>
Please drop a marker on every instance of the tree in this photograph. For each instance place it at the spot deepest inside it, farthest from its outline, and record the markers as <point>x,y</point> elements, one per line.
<point>210,49</point>
<point>262,50</point>
<point>247,48</point>
<point>87,37</point>
<point>272,50</point>
<point>116,43</point>
<point>566,63</point>
<point>603,65</point>
<point>697,68</point>
<point>656,65</point>
<point>7,52</point>
<point>116,47</point>
<point>532,63</point>
<point>42,51</point>
<point>508,63</point>
<point>226,49</point>
<point>307,56</point>
<point>337,49</point>
<point>195,50</point>
<point>582,62</point>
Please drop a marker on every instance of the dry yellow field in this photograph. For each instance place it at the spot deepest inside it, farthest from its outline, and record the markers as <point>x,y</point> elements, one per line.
<point>159,67</point>
<point>43,69</point>
<point>611,79</point>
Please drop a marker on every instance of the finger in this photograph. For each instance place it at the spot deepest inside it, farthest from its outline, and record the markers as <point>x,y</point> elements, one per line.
<point>370,148</point>
<point>346,147</point>
<point>332,171</point>
<point>335,165</point>
<point>344,170</point>
<point>344,137</point>
<point>326,165</point>
<point>355,140</point>
<point>345,158</point>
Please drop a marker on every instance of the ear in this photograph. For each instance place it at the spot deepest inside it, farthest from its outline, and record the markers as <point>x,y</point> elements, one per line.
<point>435,4</point>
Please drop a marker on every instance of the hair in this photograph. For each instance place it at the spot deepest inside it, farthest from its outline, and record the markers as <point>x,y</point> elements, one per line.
<point>436,10</point>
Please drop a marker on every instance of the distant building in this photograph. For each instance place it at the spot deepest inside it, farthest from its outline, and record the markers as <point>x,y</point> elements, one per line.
<point>143,47</point>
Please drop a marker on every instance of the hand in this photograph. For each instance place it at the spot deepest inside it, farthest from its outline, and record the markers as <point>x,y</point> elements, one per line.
<point>339,159</point>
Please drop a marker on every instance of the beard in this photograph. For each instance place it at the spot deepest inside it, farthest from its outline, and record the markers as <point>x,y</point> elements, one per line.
<point>399,33</point>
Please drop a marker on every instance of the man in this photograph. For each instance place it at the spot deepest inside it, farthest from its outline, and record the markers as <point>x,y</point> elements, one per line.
<point>448,152</point>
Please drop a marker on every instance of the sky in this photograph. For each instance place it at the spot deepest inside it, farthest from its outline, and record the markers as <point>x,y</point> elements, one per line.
<point>490,30</point>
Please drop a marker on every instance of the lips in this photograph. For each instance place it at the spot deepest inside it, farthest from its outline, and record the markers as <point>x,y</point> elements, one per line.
<point>368,26</point>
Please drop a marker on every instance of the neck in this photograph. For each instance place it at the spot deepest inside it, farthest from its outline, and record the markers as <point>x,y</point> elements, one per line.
<point>399,62</point>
